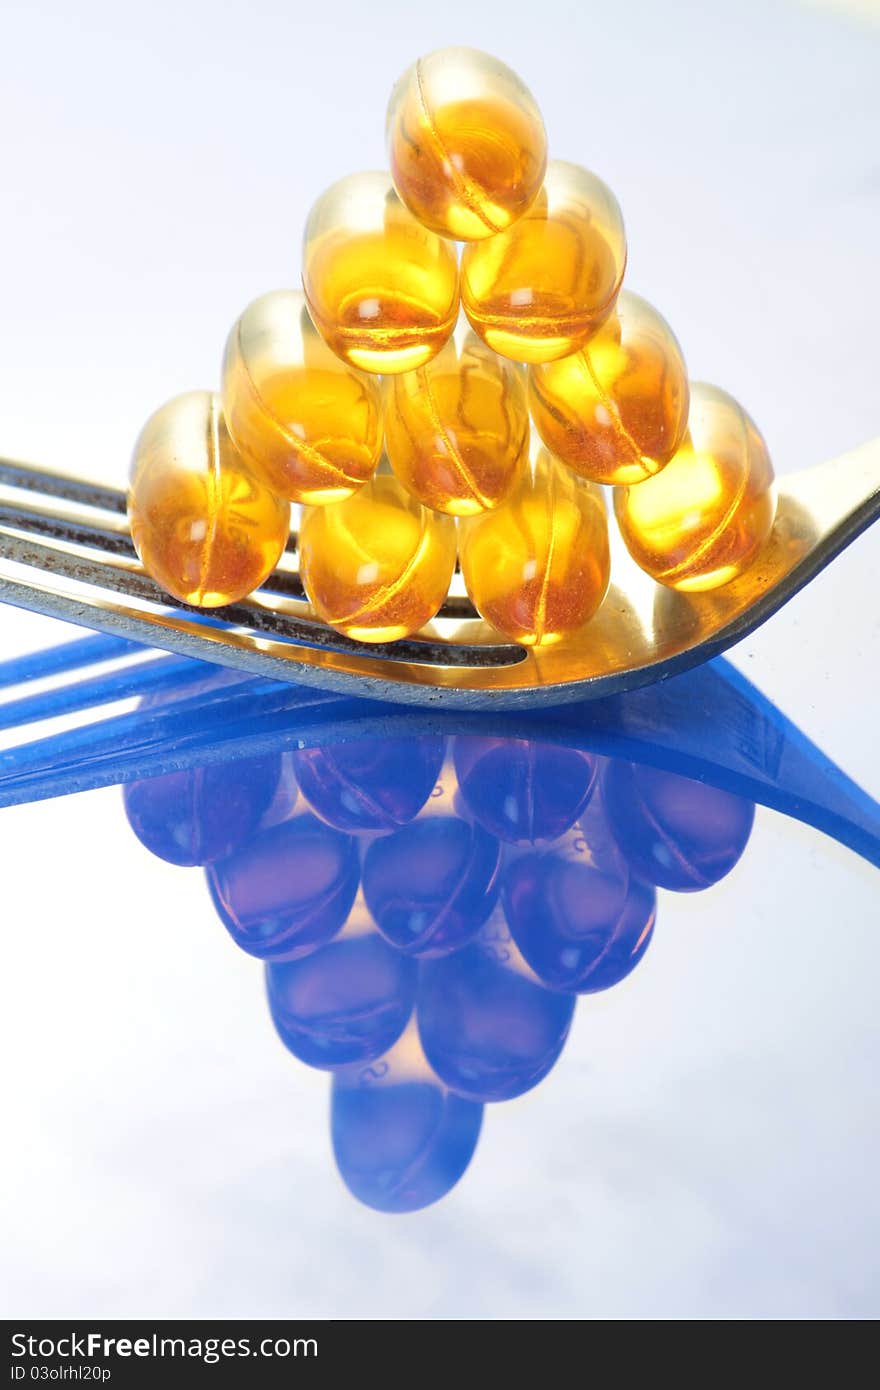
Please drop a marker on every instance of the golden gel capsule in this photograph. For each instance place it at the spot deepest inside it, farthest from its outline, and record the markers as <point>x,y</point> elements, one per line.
<point>381,288</point>
<point>703,518</point>
<point>309,425</point>
<point>376,566</point>
<point>617,410</point>
<point>457,430</point>
<point>537,567</point>
<point>466,143</point>
<point>203,526</point>
<point>539,290</point>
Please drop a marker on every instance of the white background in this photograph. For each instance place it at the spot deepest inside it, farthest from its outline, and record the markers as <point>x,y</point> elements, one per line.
<point>708,1144</point>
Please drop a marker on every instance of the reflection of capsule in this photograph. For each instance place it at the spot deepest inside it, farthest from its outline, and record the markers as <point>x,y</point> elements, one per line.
<point>675,832</point>
<point>347,1001</point>
<point>432,885</point>
<point>288,889</point>
<point>579,918</point>
<point>201,814</point>
<point>370,783</point>
<point>401,1139</point>
<point>523,791</point>
<point>489,1028</point>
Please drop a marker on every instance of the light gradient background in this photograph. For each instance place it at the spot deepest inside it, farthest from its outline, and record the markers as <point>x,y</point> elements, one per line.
<point>708,1144</point>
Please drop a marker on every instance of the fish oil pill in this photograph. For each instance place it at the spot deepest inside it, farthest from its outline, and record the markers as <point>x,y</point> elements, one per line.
<point>457,430</point>
<point>308,424</point>
<point>617,410</point>
<point>288,889</point>
<point>700,522</point>
<point>382,289</point>
<point>401,1138</point>
<point>466,143</point>
<point>378,565</point>
<point>203,526</point>
<point>523,791</point>
<point>489,1028</point>
<point>539,290</point>
<point>370,783</point>
<point>677,833</point>
<point>347,1002</point>
<point>537,567</point>
<point>431,885</point>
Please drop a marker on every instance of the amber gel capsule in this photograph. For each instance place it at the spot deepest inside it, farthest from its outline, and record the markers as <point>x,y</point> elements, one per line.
<point>457,430</point>
<point>539,290</point>
<point>466,143</point>
<point>381,288</point>
<point>537,567</point>
<point>376,566</point>
<point>617,410</point>
<point>203,526</point>
<point>309,425</point>
<point>701,521</point>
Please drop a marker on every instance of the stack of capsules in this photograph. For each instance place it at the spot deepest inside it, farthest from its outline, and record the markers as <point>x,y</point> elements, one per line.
<point>427,409</point>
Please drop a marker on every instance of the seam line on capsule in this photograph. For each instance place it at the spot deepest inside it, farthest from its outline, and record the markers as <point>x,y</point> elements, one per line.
<point>461,184</point>
<point>709,541</point>
<point>611,406</point>
<point>391,590</point>
<point>214,489</point>
<point>309,451</point>
<point>454,451</point>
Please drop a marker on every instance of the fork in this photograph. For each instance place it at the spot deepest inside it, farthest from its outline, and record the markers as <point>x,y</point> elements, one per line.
<point>66,551</point>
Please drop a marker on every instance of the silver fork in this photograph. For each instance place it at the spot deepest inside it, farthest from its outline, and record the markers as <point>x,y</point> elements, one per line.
<point>65,550</point>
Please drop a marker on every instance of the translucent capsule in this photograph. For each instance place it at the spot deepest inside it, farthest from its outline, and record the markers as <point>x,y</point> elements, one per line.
<point>617,410</point>
<point>581,921</point>
<point>466,143</point>
<point>202,813</point>
<point>288,889</point>
<point>370,783</point>
<point>457,430</point>
<point>431,885</point>
<point>489,1028</point>
<point>539,290</point>
<point>203,526</point>
<point>378,565</point>
<point>309,425</point>
<point>675,832</point>
<point>701,521</point>
<point>537,567</point>
<point>401,1138</point>
<point>381,288</point>
<point>347,1002</point>
<point>523,791</point>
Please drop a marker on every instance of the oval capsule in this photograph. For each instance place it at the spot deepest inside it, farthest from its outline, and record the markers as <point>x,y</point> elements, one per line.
<point>378,565</point>
<point>538,566</point>
<point>541,289</point>
<point>702,520</point>
<point>617,410</point>
<point>457,430</point>
<point>466,143</point>
<point>203,526</point>
<point>382,289</point>
<point>308,424</point>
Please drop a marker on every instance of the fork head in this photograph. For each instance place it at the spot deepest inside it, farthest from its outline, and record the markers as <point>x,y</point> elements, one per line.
<point>65,550</point>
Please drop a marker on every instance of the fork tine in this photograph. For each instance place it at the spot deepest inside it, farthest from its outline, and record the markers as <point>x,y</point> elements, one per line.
<point>87,541</point>
<point>158,739</point>
<point>66,656</point>
<point>151,675</point>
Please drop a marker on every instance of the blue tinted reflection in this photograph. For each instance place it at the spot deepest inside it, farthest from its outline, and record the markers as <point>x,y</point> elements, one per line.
<point>429,909</point>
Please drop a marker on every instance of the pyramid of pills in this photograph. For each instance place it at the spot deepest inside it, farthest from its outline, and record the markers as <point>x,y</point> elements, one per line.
<point>427,407</point>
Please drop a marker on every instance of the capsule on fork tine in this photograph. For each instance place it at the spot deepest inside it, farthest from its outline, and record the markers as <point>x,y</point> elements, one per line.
<point>65,551</point>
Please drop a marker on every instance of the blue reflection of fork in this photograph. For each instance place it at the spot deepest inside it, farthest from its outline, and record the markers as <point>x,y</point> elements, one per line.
<point>710,724</point>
